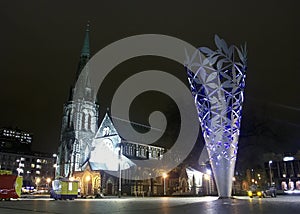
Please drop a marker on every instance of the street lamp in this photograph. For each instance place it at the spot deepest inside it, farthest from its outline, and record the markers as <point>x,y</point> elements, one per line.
<point>207,178</point>
<point>54,164</point>
<point>233,186</point>
<point>165,176</point>
<point>48,182</point>
<point>120,171</point>
<point>150,185</point>
<point>270,162</point>
<point>37,181</point>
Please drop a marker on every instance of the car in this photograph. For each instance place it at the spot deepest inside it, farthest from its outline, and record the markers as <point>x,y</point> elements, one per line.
<point>254,190</point>
<point>252,193</point>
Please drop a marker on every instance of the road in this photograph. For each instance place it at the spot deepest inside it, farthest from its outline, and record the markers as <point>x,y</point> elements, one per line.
<point>166,205</point>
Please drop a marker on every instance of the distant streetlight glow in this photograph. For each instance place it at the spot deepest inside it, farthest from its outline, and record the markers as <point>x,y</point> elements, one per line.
<point>165,175</point>
<point>288,158</point>
<point>206,177</point>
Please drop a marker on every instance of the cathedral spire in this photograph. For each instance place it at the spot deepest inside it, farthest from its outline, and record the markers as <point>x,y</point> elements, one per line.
<point>86,43</point>
<point>85,51</point>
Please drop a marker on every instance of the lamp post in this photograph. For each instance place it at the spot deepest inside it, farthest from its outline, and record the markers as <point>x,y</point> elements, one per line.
<point>233,185</point>
<point>270,162</point>
<point>48,182</point>
<point>37,181</point>
<point>207,178</point>
<point>165,176</point>
<point>150,185</point>
<point>120,172</point>
<point>54,165</point>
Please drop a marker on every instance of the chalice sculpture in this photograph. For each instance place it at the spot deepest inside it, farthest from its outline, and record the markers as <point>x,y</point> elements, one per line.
<point>217,81</point>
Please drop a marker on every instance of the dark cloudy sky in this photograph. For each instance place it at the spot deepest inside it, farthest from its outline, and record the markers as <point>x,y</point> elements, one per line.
<point>41,41</point>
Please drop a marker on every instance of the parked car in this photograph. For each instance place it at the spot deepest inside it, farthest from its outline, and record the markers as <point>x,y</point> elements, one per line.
<point>255,191</point>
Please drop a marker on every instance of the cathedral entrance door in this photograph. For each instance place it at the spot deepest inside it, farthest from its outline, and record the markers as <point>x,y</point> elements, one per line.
<point>90,187</point>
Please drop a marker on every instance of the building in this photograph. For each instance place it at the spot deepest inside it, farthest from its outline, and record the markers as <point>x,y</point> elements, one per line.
<point>16,156</point>
<point>284,173</point>
<point>12,140</point>
<point>35,168</point>
<point>84,145</point>
<point>186,180</point>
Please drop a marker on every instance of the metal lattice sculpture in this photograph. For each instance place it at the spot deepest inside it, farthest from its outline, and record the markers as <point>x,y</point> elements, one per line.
<point>217,86</point>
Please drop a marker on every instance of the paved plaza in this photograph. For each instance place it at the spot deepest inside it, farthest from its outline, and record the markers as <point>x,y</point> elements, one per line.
<point>168,205</point>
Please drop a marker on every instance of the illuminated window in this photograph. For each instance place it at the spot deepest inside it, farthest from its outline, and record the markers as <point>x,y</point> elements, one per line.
<point>32,165</point>
<point>37,172</point>
<point>70,186</point>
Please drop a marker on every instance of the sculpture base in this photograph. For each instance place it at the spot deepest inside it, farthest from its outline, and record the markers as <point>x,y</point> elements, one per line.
<point>223,171</point>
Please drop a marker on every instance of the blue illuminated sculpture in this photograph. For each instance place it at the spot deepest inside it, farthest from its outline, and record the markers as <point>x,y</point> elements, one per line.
<point>217,82</point>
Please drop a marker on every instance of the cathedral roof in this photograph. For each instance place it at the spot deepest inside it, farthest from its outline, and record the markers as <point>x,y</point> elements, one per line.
<point>106,127</point>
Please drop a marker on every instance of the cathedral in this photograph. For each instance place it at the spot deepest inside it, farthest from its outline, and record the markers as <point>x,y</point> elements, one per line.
<point>87,151</point>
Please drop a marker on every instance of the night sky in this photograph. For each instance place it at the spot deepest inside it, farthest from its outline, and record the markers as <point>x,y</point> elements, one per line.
<point>41,43</point>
